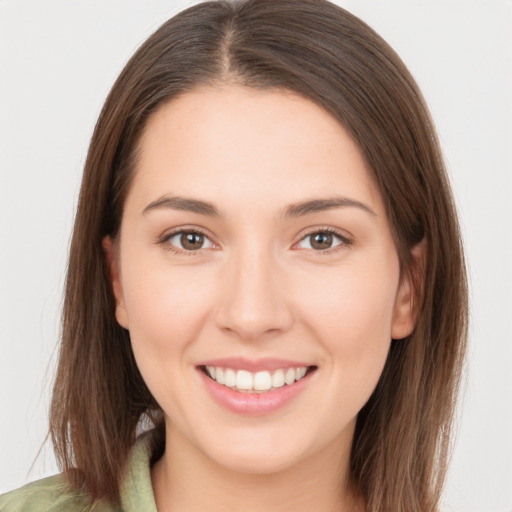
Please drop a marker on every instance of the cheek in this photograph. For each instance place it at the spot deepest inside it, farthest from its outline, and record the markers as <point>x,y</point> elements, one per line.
<point>351,316</point>
<point>164,303</point>
<point>167,311</point>
<point>352,301</point>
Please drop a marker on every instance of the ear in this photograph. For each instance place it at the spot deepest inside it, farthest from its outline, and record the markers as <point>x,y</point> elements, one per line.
<point>406,307</point>
<point>115,280</point>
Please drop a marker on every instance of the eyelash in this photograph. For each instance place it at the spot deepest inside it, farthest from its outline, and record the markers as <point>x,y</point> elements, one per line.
<point>165,239</point>
<point>344,240</point>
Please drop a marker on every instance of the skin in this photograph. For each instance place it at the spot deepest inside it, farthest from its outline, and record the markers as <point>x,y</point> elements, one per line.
<point>256,288</point>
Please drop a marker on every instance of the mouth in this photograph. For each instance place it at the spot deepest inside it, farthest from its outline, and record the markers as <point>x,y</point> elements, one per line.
<point>265,381</point>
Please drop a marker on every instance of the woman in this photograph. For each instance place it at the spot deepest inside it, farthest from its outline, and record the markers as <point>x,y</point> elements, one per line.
<point>266,275</point>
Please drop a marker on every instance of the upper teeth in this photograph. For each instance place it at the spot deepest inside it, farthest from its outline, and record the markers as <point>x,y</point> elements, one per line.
<point>242,380</point>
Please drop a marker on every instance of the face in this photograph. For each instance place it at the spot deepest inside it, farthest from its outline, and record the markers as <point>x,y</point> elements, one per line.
<point>256,273</point>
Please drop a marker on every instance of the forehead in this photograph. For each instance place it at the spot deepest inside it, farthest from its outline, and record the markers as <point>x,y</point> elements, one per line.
<point>235,142</point>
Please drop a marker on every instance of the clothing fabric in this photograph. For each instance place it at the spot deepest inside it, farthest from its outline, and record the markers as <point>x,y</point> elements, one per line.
<point>54,494</point>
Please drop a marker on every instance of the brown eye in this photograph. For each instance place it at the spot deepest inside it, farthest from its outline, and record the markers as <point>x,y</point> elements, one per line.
<point>187,241</point>
<point>191,241</point>
<point>322,241</point>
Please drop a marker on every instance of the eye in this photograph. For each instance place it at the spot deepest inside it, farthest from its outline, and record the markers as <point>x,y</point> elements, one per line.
<point>189,241</point>
<point>322,241</point>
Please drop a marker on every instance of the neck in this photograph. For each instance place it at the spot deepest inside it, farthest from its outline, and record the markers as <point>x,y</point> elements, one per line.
<point>185,480</point>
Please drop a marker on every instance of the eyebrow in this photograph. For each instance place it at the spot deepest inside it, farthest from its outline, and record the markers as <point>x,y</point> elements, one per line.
<point>320,205</point>
<point>184,204</point>
<point>293,210</point>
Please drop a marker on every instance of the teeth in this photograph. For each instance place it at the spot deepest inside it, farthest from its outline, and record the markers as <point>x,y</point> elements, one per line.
<point>278,379</point>
<point>229,378</point>
<point>262,381</point>
<point>242,380</point>
<point>289,376</point>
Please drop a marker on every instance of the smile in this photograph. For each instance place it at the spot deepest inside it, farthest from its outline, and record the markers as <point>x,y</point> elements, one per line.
<point>256,382</point>
<point>255,388</point>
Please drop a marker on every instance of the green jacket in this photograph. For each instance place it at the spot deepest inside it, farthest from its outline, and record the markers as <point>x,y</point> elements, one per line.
<point>53,494</point>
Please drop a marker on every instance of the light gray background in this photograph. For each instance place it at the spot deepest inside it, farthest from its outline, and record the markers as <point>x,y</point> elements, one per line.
<point>58,59</point>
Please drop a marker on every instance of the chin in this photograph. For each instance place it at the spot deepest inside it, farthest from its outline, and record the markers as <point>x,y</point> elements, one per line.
<point>258,450</point>
<point>256,461</point>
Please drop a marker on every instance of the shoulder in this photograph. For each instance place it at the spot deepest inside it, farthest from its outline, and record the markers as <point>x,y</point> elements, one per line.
<point>51,494</point>
<point>54,494</point>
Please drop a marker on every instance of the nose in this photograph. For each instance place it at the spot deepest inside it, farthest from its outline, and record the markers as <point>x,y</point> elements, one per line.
<point>253,302</point>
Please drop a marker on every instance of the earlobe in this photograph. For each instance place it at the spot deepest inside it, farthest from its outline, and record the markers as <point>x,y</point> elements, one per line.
<point>406,302</point>
<point>115,281</point>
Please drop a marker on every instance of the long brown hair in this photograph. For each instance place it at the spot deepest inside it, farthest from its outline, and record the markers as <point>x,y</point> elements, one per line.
<point>322,52</point>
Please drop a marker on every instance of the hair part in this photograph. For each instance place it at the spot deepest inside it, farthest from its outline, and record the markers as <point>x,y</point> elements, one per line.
<point>325,54</point>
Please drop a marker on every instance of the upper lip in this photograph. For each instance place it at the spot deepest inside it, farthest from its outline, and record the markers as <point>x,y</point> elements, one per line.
<point>254,365</point>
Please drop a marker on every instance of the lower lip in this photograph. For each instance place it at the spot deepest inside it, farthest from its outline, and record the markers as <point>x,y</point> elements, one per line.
<point>254,403</point>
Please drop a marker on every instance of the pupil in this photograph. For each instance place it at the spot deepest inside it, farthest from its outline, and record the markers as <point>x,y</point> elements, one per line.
<point>192,241</point>
<point>321,241</point>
